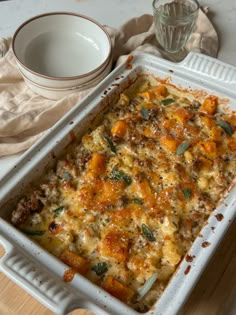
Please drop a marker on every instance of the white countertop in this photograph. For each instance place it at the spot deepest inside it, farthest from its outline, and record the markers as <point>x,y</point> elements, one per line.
<point>113,13</point>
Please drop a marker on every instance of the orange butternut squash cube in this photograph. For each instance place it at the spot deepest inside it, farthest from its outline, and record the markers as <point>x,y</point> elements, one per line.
<point>76,262</point>
<point>149,133</point>
<point>181,115</point>
<point>115,244</point>
<point>161,90</point>
<point>107,192</point>
<point>169,124</point>
<point>232,144</point>
<point>209,105</point>
<point>143,189</point>
<point>119,128</point>
<point>148,95</point>
<point>207,121</point>
<point>118,289</point>
<point>97,163</point>
<point>215,134</point>
<point>169,143</point>
<point>208,148</point>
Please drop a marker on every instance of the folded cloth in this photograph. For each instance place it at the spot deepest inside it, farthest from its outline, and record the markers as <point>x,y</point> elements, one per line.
<point>26,116</point>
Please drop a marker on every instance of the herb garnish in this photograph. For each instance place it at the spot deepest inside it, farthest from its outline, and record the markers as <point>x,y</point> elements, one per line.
<point>118,175</point>
<point>145,113</point>
<point>110,143</point>
<point>187,192</point>
<point>36,232</point>
<point>100,268</point>
<point>167,101</point>
<point>148,233</point>
<point>142,291</point>
<point>57,211</point>
<point>226,126</point>
<point>67,176</point>
<point>182,147</point>
<point>138,201</point>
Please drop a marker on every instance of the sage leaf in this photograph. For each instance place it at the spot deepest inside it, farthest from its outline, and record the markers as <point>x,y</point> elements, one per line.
<point>167,101</point>
<point>226,126</point>
<point>187,192</point>
<point>145,113</point>
<point>118,175</point>
<point>100,268</point>
<point>110,143</point>
<point>67,176</point>
<point>147,233</point>
<point>138,201</point>
<point>31,232</point>
<point>182,147</point>
<point>57,211</point>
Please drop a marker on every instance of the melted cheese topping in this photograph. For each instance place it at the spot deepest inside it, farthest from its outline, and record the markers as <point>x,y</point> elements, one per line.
<point>129,200</point>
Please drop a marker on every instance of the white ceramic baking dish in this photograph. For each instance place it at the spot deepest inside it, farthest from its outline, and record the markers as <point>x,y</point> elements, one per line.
<point>40,273</point>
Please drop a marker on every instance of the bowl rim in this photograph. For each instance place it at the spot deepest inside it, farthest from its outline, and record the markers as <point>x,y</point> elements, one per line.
<point>109,55</point>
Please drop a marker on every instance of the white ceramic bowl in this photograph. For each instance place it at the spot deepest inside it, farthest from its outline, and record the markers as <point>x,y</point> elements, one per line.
<point>61,49</point>
<point>59,93</point>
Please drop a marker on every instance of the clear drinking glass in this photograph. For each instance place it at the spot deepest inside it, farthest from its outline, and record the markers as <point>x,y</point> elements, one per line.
<point>174,22</point>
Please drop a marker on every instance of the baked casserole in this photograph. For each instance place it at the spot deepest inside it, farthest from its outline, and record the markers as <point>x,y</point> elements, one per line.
<point>125,203</point>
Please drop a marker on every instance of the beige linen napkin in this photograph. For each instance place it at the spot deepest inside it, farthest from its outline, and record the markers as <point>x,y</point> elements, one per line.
<point>26,116</point>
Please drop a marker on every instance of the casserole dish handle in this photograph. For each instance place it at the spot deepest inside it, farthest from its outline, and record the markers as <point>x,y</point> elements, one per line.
<point>37,281</point>
<point>210,67</point>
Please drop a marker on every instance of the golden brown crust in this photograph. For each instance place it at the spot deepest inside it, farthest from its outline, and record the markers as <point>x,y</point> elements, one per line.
<point>129,200</point>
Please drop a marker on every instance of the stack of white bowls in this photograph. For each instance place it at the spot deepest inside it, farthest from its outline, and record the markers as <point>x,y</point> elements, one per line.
<point>59,53</point>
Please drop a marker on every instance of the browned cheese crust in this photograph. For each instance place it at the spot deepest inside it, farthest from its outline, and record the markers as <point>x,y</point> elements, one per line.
<point>128,200</point>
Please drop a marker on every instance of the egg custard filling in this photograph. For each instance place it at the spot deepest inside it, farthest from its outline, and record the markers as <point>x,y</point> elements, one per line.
<point>123,206</point>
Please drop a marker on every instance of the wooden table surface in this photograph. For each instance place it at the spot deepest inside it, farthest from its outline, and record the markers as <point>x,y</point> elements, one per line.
<point>214,294</point>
